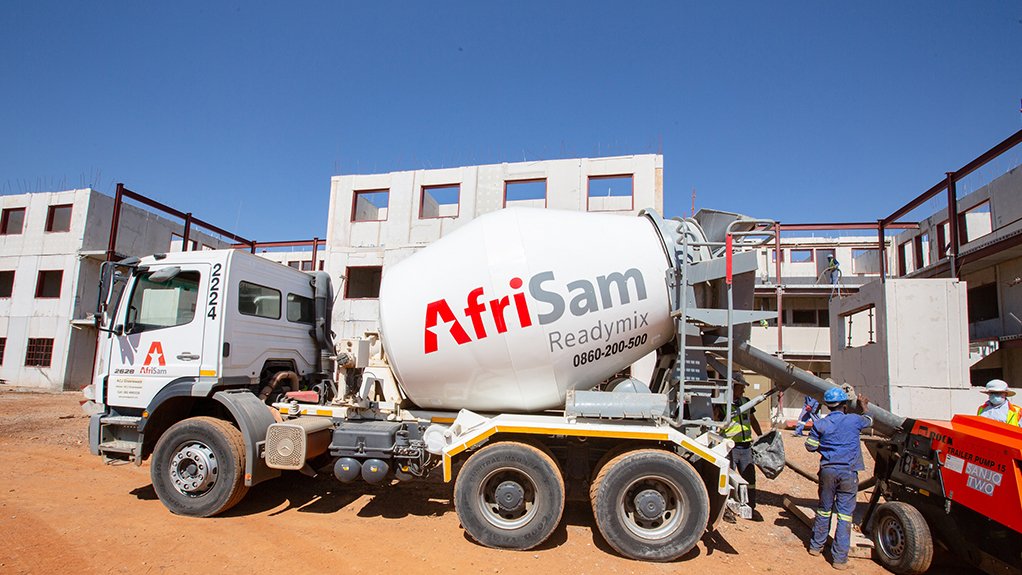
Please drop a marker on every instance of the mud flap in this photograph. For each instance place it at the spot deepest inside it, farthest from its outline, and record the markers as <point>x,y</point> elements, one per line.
<point>254,418</point>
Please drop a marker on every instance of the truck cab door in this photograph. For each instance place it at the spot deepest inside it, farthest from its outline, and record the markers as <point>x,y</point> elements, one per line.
<point>159,333</point>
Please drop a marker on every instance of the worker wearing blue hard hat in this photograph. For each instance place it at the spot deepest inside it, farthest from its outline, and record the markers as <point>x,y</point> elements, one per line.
<point>836,438</point>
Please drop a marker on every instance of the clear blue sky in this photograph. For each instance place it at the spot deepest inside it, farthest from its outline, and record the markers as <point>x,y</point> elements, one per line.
<point>241,112</point>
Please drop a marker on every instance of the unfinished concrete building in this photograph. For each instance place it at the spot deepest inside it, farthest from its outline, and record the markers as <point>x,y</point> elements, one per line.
<point>989,261</point>
<point>379,219</point>
<point>51,248</point>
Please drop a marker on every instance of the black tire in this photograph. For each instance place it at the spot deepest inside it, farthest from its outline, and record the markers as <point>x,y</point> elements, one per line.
<point>198,467</point>
<point>901,539</point>
<point>668,487</point>
<point>526,478</point>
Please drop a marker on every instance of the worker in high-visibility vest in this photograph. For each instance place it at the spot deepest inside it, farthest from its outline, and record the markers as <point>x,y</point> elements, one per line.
<point>997,406</point>
<point>740,431</point>
<point>836,439</point>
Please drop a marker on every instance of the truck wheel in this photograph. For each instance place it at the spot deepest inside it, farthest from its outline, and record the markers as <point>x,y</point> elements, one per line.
<point>509,495</point>
<point>198,467</point>
<point>650,505</point>
<point>901,539</point>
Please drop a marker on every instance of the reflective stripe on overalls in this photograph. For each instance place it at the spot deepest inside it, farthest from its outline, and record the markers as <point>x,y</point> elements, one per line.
<point>740,429</point>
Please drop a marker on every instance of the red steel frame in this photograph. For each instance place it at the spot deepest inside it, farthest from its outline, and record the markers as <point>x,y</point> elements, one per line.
<point>189,220</point>
<point>948,185</point>
<point>315,243</point>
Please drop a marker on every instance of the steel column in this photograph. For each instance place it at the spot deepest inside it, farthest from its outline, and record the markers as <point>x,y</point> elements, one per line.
<point>115,221</point>
<point>952,223</point>
<point>315,247</point>
<point>779,289</point>
<point>187,230</point>
<point>882,250</point>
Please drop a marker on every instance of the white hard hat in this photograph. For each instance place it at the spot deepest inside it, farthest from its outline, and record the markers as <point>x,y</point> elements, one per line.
<point>998,386</point>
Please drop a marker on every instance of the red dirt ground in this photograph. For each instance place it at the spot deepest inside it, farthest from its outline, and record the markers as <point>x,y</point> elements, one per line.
<point>63,511</point>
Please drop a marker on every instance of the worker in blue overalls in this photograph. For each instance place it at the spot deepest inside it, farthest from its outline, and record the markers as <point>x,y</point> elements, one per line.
<point>836,438</point>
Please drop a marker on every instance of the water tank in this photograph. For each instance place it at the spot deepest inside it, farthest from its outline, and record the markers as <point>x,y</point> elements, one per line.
<point>510,311</point>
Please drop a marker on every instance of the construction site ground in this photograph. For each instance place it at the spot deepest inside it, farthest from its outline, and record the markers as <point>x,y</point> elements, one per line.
<point>63,511</point>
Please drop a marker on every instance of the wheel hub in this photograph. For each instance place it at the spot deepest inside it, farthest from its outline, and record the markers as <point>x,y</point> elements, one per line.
<point>650,504</point>
<point>652,507</point>
<point>892,537</point>
<point>510,496</point>
<point>193,469</point>
<point>507,498</point>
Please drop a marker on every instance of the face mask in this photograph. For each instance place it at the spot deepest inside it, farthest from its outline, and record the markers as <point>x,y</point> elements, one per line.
<point>996,400</point>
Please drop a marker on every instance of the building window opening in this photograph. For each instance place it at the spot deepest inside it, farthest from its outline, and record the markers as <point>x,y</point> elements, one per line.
<point>528,193</point>
<point>370,205</point>
<point>440,201</point>
<point>976,222</point>
<point>48,284</point>
<point>865,261</point>
<point>39,352</point>
<point>12,221</point>
<point>801,256</point>
<point>860,327</point>
<point>943,240</point>
<point>3,348</point>
<point>363,282</point>
<point>922,242</point>
<point>610,193</point>
<point>906,260</point>
<point>803,317</point>
<point>58,218</point>
<point>6,283</point>
<point>983,303</point>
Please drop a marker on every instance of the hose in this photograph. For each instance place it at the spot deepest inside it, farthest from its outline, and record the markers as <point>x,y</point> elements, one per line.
<point>863,485</point>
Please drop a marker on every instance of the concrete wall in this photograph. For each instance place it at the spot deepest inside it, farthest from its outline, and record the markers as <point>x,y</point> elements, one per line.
<point>402,231</point>
<point>993,216</point>
<point>918,365</point>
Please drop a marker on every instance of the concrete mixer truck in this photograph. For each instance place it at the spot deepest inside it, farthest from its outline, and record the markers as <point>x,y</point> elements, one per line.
<point>501,369</point>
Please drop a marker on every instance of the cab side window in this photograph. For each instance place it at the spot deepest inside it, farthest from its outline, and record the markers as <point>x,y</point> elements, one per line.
<point>258,300</point>
<point>157,305</point>
<point>300,309</point>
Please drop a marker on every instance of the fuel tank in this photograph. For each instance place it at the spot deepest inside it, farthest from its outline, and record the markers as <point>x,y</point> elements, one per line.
<point>517,307</point>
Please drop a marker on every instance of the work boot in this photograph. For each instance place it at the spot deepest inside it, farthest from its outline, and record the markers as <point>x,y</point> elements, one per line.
<point>815,552</point>
<point>842,566</point>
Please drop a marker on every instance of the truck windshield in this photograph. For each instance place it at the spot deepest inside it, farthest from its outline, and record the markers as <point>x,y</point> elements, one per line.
<point>158,305</point>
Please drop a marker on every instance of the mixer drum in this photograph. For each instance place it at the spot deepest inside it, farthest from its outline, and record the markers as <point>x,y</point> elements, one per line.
<point>515,308</point>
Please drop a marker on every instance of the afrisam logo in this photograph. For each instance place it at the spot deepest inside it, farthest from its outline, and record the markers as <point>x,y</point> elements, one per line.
<point>586,297</point>
<point>154,356</point>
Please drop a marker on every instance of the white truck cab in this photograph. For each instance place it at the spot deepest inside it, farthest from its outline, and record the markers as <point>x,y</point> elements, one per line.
<point>218,333</point>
